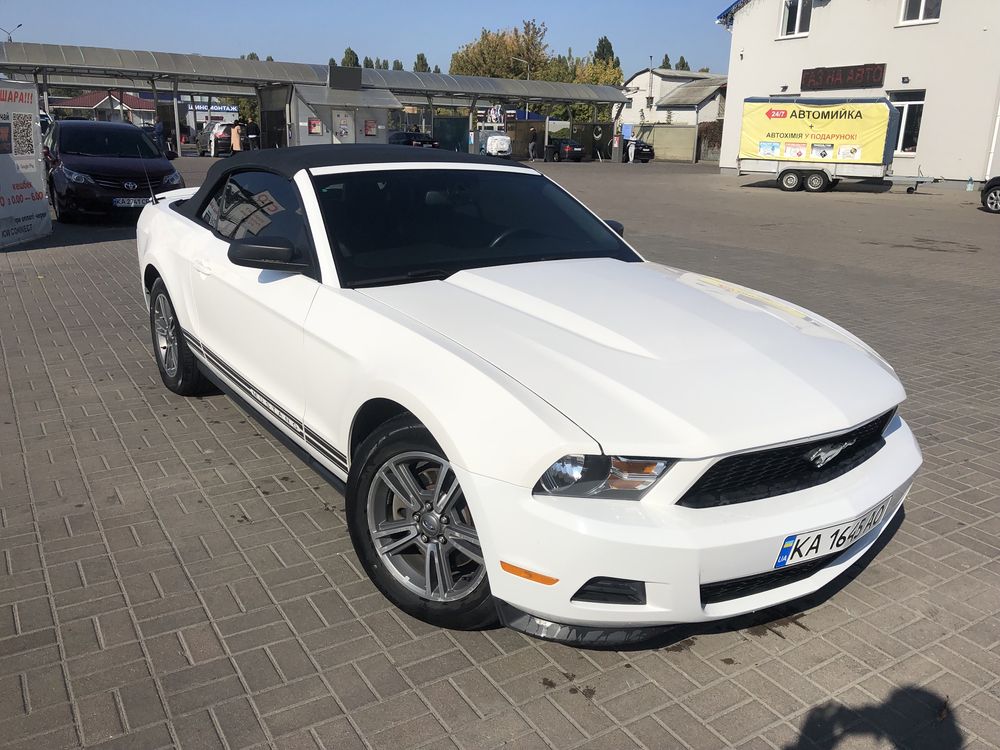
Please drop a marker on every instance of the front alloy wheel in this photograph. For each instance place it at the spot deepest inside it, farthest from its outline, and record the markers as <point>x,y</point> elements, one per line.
<point>422,528</point>
<point>413,530</point>
<point>991,201</point>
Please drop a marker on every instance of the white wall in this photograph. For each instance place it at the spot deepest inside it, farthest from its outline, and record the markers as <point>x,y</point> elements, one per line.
<point>956,61</point>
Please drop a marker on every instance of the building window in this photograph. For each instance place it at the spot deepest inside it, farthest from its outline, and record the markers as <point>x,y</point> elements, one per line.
<point>910,105</point>
<point>628,104</point>
<point>796,18</point>
<point>917,11</point>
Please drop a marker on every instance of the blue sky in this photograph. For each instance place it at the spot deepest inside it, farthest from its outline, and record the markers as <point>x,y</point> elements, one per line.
<point>313,30</point>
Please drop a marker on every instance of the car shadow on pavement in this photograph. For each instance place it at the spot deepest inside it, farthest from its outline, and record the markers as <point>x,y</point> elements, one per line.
<point>86,231</point>
<point>911,717</point>
<point>846,186</point>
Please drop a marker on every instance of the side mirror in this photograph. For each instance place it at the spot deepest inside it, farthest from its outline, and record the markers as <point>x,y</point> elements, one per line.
<point>268,254</point>
<point>617,226</point>
<point>171,155</point>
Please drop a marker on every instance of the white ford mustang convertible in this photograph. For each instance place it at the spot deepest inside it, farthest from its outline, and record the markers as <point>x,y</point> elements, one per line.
<point>533,423</point>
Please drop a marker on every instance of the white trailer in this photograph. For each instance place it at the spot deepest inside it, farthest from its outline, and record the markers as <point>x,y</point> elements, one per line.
<point>812,144</point>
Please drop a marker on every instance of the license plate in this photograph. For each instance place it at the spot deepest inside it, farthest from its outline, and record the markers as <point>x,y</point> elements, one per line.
<point>129,202</point>
<point>798,548</point>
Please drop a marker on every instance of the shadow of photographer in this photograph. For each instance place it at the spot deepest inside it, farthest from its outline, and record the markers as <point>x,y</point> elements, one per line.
<point>911,718</point>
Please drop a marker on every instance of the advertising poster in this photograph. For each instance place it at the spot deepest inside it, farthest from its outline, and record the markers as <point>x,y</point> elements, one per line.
<point>371,127</point>
<point>24,207</point>
<point>315,126</point>
<point>852,132</point>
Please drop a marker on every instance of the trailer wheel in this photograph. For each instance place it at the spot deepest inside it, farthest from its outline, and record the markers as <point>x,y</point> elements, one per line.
<point>817,182</point>
<point>790,181</point>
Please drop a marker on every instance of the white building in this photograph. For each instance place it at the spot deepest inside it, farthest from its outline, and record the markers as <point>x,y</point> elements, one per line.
<point>937,60</point>
<point>672,97</point>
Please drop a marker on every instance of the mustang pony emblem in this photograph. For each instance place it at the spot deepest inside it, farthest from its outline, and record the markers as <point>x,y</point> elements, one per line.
<point>826,453</point>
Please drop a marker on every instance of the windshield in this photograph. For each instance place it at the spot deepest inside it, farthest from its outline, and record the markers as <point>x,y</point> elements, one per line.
<point>396,226</point>
<point>121,142</point>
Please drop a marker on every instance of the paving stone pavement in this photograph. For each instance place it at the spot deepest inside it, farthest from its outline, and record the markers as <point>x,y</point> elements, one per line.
<point>172,576</point>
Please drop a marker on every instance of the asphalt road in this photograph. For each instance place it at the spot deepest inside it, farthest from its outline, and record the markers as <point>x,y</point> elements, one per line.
<point>172,576</point>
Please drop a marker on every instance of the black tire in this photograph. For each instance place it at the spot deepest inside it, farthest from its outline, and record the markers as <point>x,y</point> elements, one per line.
<point>991,199</point>
<point>644,161</point>
<point>790,181</point>
<point>185,379</point>
<point>402,435</point>
<point>63,215</point>
<point>816,182</point>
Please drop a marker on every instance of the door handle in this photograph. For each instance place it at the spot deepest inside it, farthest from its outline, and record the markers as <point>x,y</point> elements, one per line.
<point>203,267</point>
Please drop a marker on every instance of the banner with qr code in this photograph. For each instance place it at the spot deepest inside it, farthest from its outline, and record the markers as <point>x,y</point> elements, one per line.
<point>24,206</point>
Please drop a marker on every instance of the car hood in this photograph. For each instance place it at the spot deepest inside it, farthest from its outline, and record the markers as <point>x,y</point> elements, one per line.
<point>114,166</point>
<point>653,361</point>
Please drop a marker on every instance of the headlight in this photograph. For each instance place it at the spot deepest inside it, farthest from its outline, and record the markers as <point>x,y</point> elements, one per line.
<point>173,178</point>
<point>608,477</point>
<point>77,177</point>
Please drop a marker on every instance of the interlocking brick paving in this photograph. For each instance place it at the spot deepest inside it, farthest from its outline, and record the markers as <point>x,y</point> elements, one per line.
<point>172,576</point>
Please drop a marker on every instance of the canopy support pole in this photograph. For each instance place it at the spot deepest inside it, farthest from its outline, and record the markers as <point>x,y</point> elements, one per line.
<point>473,147</point>
<point>177,121</point>
<point>156,103</point>
<point>45,92</point>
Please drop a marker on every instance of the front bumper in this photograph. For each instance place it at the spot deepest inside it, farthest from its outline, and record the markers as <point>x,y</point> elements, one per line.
<point>672,549</point>
<point>96,199</point>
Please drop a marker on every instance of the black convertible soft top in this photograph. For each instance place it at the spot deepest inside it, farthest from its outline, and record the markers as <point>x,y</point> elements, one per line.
<point>289,161</point>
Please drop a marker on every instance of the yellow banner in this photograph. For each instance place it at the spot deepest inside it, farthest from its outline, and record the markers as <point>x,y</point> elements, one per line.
<point>836,133</point>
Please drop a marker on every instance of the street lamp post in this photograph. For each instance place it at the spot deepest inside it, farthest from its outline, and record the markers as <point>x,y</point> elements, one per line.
<point>9,33</point>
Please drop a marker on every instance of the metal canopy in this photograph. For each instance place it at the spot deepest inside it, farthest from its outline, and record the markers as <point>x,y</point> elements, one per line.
<point>324,96</point>
<point>138,84</point>
<point>489,88</point>
<point>211,72</point>
<point>24,57</point>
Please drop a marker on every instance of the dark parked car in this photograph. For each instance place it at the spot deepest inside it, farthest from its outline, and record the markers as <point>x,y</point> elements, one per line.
<point>421,140</point>
<point>567,149</point>
<point>643,151</point>
<point>103,167</point>
<point>991,196</point>
<point>215,139</point>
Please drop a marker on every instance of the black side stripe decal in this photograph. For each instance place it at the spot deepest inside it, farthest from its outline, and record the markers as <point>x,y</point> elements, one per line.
<point>311,437</point>
<point>328,450</point>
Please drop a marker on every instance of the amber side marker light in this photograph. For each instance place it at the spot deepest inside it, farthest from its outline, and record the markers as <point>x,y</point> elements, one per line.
<point>529,574</point>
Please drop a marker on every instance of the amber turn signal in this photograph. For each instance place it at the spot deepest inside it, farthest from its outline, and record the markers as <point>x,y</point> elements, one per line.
<point>531,575</point>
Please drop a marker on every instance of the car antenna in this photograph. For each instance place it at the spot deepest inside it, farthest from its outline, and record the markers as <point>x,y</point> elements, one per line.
<point>152,196</point>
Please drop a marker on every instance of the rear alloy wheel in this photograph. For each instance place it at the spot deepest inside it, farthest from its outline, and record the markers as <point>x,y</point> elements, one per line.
<point>991,200</point>
<point>817,182</point>
<point>413,530</point>
<point>790,181</point>
<point>177,365</point>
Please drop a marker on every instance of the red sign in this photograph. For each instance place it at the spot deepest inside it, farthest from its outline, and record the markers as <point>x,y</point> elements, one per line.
<point>867,76</point>
<point>776,114</point>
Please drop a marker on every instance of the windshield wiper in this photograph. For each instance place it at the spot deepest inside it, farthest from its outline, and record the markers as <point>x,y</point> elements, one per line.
<point>420,274</point>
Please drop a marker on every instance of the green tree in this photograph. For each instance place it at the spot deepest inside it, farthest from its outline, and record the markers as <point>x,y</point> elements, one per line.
<point>268,59</point>
<point>378,63</point>
<point>350,59</point>
<point>333,62</point>
<point>605,52</point>
<point>437,69</point>
<point>397,64</point>
<point>599,72</point>
<point>420,64</point>
<point>666,62</point>
<point>367,63</point>
<point>682,64</point>
<point>493,52</point>
<point>385,64</point>
<point>250,56</point>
